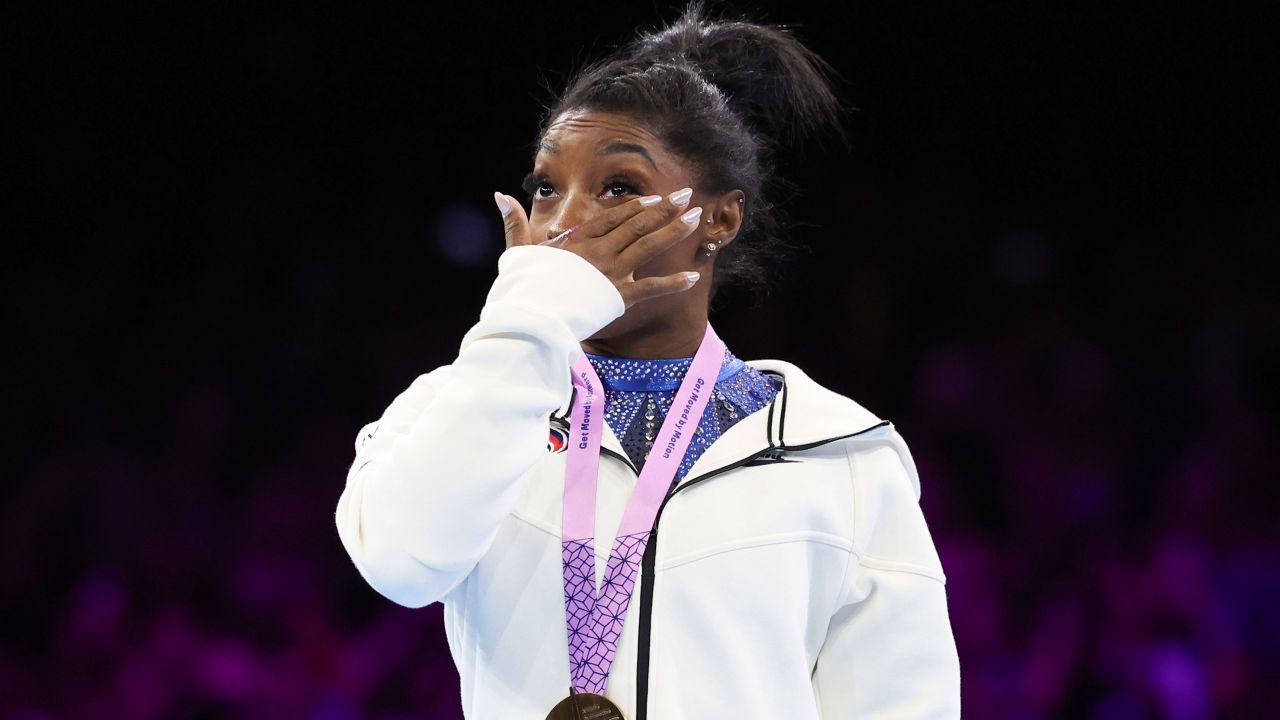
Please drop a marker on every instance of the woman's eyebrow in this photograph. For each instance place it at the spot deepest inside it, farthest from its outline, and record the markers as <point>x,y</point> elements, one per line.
<point>551,148</point>
<point>625,147</point>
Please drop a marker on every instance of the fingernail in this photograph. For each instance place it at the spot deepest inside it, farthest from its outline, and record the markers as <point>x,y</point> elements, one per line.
<point>504,205</point>
<point>648,200</point>
<point>692,216</point>
<point>680,198</point>
<point>692,277</point>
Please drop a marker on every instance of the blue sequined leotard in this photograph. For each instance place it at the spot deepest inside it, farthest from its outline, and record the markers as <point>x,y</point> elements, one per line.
<point>638,393</point>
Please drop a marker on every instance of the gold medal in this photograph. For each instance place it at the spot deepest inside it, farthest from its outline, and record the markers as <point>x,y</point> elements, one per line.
<point>585,706</point>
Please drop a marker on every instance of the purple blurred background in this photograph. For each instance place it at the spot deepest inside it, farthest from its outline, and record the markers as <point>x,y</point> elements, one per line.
<point>1050,260</point>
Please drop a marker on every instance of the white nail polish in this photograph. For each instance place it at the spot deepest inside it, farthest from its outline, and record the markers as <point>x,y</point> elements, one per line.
<point>680,198</point>
<point>692,216</point>
<point>504,205</point>
<point>692,277</point>
<point>648,200</point>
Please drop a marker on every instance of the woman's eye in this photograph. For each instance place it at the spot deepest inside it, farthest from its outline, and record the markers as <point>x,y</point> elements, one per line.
<point>534,184</point>
<point>621,187</point>
<point>541,188</point>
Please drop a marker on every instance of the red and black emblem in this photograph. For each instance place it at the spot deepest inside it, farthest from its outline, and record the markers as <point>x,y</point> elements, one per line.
<point>558,440</point>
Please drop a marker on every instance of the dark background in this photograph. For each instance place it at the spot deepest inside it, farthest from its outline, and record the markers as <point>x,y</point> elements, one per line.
<point>234,236</point>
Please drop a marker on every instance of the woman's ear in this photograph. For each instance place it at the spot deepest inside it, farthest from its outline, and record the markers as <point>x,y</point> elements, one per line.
<point>726,218</point>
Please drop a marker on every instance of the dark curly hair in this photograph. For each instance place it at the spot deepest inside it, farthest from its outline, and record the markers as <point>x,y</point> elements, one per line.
<point>726,95</point>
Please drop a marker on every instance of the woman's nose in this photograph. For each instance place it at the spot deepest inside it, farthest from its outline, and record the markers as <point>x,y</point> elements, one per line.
<point>571,213</point>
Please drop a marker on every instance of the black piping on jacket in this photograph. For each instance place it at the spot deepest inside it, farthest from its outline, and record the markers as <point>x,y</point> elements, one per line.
<point>650,551</point>
<point>779,405</point>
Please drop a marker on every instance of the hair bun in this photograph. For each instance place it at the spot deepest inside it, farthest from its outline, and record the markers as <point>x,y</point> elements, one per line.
<point>780,88</point>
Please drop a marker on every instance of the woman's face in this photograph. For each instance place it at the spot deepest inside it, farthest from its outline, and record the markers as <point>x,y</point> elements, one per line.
<point>589,162</point>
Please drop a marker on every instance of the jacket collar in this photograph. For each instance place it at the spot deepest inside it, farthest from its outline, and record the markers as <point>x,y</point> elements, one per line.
<point>803,414</point>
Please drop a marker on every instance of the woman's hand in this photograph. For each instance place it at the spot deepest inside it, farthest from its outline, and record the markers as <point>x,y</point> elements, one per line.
<point>620,240</point>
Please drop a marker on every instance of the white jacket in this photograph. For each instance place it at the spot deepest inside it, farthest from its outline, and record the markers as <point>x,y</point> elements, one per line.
<point>791,575</point>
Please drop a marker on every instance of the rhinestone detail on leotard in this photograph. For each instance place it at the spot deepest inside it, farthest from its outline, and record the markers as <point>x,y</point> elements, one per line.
<point>638,394</point>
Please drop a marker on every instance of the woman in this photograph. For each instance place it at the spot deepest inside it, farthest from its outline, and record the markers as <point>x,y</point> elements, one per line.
<point>730,539</point>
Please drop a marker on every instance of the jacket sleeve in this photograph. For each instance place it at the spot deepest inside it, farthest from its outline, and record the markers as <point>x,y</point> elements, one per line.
<point>436,474</point>
<point>889,650</point>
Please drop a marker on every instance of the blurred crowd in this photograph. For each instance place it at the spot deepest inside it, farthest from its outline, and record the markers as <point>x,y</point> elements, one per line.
<point>1105,527</point>
<point>1049,261</point>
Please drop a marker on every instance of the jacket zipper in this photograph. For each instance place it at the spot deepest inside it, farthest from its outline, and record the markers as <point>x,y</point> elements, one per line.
<point>651,549</point>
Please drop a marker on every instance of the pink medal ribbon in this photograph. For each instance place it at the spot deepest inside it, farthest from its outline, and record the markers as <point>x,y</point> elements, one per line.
<point>594,621</point>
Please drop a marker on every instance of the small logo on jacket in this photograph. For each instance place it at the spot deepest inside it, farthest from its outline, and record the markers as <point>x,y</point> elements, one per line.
<point>558,440</point>
<point>772,458</point>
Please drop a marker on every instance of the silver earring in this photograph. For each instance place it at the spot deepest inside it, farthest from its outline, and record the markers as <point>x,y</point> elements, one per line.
<point>711,247</point>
